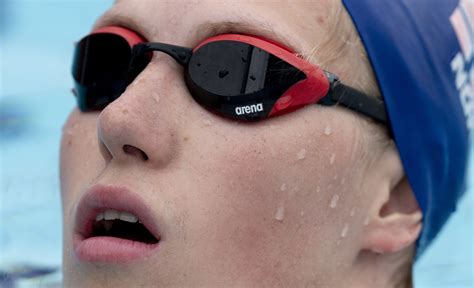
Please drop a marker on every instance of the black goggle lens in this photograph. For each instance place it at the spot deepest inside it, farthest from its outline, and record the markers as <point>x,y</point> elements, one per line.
<point>100,70</point>
<point>225,75</point>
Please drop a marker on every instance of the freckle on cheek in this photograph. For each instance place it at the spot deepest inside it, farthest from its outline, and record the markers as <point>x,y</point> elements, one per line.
<point>320,19</point>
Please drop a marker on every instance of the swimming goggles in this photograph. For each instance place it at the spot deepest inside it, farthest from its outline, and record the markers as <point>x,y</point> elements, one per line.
<point>236,76</point>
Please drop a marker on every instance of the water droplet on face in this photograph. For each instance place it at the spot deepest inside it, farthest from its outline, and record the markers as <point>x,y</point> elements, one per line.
<point>334,200</point>
<point>327,130</point>
<point>135,82</point>
<point>345,230</point>
<point>296,189</point>
<point>68,132</point>
<point>343,180</point>
<point>206,122</point>
<point>366,221</point>
<point>302,213</point>
<point>335,177</point>
<point>293,191</point>
<point>332,159</point>
<point>301,154</point>
<point>223,73</point>
<point>318,189</point>
<point>283,187</point>
<point>377,251</point>
<point>156,97</point>
<point>280,213</point>
<point>353,211</point>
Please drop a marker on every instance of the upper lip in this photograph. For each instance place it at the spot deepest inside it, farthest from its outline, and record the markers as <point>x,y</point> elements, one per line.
<point>101,197</point>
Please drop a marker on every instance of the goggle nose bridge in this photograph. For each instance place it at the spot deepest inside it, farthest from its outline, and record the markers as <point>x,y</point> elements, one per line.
<point>180,54</point>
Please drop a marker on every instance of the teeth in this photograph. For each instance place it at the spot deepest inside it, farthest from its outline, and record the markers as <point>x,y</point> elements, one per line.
<point>111,214</point>
<point>99,217</point>
<point>129,217</point>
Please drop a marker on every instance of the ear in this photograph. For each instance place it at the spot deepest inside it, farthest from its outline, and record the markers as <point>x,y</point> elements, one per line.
<point>394,217</point>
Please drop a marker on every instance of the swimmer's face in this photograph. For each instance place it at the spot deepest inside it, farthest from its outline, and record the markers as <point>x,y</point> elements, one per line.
<point>277,202</point>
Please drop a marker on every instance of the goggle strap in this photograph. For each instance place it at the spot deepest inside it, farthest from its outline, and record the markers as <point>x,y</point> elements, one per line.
<point>355,100</point>
<point>180,54</point>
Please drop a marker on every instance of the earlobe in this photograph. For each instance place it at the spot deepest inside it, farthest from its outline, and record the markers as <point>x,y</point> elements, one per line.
<point>395,219</point>
<point>393,233</point>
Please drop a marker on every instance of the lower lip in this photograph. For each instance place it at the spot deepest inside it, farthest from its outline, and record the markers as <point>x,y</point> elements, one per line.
<point>110,249</point>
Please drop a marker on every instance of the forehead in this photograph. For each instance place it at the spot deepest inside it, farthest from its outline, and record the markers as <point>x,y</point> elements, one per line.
<point>299,25</point>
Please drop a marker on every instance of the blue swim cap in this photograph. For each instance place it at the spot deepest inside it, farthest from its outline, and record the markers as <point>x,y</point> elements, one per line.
<point>422,54</point>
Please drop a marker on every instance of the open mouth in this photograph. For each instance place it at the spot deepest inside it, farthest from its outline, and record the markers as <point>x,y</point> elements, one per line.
<point>121,224</point>
<point>114,225</point>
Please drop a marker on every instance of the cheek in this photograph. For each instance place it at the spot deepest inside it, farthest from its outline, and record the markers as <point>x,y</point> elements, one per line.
<point>269,192</point>
<point>80,159</point>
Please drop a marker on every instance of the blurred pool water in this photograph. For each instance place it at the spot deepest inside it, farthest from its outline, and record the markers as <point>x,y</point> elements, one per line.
<point>36,44</point>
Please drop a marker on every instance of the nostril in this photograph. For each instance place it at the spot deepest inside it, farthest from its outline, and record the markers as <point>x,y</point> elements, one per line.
<point>134,151</point>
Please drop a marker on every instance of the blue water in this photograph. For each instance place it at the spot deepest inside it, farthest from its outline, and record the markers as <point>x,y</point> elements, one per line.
<point>36,42</point>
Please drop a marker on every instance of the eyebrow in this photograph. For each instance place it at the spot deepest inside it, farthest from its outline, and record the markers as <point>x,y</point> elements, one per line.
<point>208,29</point>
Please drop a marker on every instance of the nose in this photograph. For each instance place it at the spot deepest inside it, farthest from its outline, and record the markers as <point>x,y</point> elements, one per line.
<point>139,126</point>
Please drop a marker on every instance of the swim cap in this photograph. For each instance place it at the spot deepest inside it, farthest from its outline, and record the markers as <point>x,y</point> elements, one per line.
<point>422,52</point>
